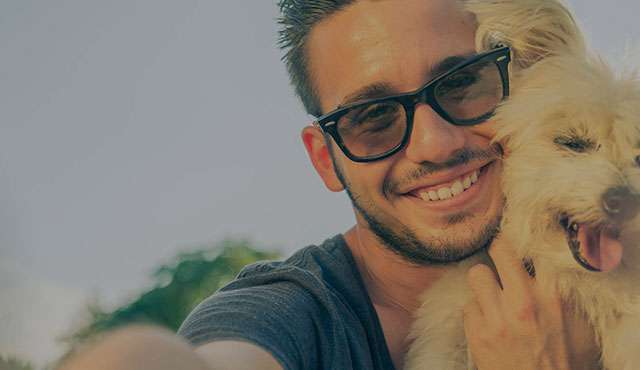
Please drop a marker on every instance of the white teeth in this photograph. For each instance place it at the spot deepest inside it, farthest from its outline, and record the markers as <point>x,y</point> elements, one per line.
<point>444,193</point>
<point>433,195</point>
<point>458,187</point>
<point>466,183</point>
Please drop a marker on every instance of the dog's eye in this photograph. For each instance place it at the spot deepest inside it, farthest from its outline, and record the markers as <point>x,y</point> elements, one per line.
<point>638,160</point>
<point>574,143</point>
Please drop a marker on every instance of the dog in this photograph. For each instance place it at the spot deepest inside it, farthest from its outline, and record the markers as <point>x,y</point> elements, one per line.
<point>571,180</point>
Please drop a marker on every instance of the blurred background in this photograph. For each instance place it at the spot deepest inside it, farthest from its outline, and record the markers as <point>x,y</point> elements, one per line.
<point>148,149</point>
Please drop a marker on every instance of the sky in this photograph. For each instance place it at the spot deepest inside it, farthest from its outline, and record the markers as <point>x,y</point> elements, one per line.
<point>131,130</point>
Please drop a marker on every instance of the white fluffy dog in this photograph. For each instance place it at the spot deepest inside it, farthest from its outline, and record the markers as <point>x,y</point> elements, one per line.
<point>571,133</point>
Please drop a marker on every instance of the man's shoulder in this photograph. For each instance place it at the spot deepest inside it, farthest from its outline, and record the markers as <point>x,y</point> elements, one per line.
<point>293,308</point>
<point>286,307</point>
<point>314,281</point>
<point>328,263</point>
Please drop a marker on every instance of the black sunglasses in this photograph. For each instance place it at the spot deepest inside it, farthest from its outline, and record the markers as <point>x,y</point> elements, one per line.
<point>466,95</point>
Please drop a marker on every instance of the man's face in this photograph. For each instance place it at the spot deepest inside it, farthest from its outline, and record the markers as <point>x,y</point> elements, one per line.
<point>396,44</point>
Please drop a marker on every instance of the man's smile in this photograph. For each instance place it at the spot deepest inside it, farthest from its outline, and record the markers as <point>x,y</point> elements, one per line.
<point>446,191</point>
<point>458,192</point>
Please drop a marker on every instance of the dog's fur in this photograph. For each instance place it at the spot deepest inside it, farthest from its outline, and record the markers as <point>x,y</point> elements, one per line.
<point>571,132</point>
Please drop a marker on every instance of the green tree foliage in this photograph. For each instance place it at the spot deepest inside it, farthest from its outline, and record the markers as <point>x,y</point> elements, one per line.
<point>179,286</point>
<point>12,363</point>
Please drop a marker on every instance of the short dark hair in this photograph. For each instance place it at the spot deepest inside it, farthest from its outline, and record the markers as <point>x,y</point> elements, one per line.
<point>297,19</point>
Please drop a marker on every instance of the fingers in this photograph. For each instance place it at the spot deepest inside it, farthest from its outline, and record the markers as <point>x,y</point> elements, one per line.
<point>514,278</point>
<point>520,322</point>
<point>473,320</point>
<point>486,290</point>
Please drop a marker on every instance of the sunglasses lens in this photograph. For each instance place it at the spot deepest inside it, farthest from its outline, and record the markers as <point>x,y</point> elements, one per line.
<point>472,93</point>
<point>373,129</point>
<point>466,96</point>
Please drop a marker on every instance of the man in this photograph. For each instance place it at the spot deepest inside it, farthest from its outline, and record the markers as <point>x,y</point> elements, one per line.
<point>346,52</point>
<point>425,191</point>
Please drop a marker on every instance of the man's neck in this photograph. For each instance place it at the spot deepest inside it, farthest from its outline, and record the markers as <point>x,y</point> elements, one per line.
<point>390,280</point>
<point>394,286</point>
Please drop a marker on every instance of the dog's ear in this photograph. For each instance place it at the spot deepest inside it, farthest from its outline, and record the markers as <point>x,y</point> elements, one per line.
<point>534,29</point>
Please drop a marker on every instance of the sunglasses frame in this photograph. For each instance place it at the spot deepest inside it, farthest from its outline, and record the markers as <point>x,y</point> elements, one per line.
<point>501,56</point>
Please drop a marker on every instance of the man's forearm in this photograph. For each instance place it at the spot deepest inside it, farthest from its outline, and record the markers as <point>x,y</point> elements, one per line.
<point>137,348</point>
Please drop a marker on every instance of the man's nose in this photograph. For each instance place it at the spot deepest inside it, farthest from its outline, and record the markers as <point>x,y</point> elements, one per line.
<point>433,139</point>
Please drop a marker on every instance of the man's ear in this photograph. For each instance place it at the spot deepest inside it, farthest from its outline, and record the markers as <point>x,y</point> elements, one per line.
<point>318,151</point>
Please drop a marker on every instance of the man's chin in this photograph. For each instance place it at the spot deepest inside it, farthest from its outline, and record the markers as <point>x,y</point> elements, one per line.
<point>427,254</point>
<point>431,250</point>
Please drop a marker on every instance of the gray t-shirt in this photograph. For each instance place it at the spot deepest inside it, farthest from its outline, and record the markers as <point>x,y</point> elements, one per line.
<point>310,311</point>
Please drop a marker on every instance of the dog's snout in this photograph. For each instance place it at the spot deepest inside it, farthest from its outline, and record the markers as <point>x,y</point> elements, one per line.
<point>620,204</point>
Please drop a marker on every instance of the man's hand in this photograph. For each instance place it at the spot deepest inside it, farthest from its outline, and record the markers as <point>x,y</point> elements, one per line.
<point>522,324</point>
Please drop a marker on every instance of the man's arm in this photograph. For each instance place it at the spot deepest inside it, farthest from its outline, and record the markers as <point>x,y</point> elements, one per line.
<point>150,348</point>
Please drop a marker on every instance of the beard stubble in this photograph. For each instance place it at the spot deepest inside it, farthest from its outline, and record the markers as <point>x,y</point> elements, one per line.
<point>403,241</point>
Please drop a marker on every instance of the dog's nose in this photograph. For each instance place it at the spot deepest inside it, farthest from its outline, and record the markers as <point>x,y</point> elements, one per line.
<point>620,203</point>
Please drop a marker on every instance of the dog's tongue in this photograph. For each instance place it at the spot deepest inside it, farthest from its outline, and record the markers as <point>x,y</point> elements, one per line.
<point>599,247</point>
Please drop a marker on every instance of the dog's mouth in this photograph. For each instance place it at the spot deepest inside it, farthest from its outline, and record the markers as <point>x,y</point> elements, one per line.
<point>594,247</point>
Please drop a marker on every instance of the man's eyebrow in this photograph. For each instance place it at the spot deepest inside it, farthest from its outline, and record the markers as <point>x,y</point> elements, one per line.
<point>373,91</point>
<point>447,63</point>
<point>382,89</point>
